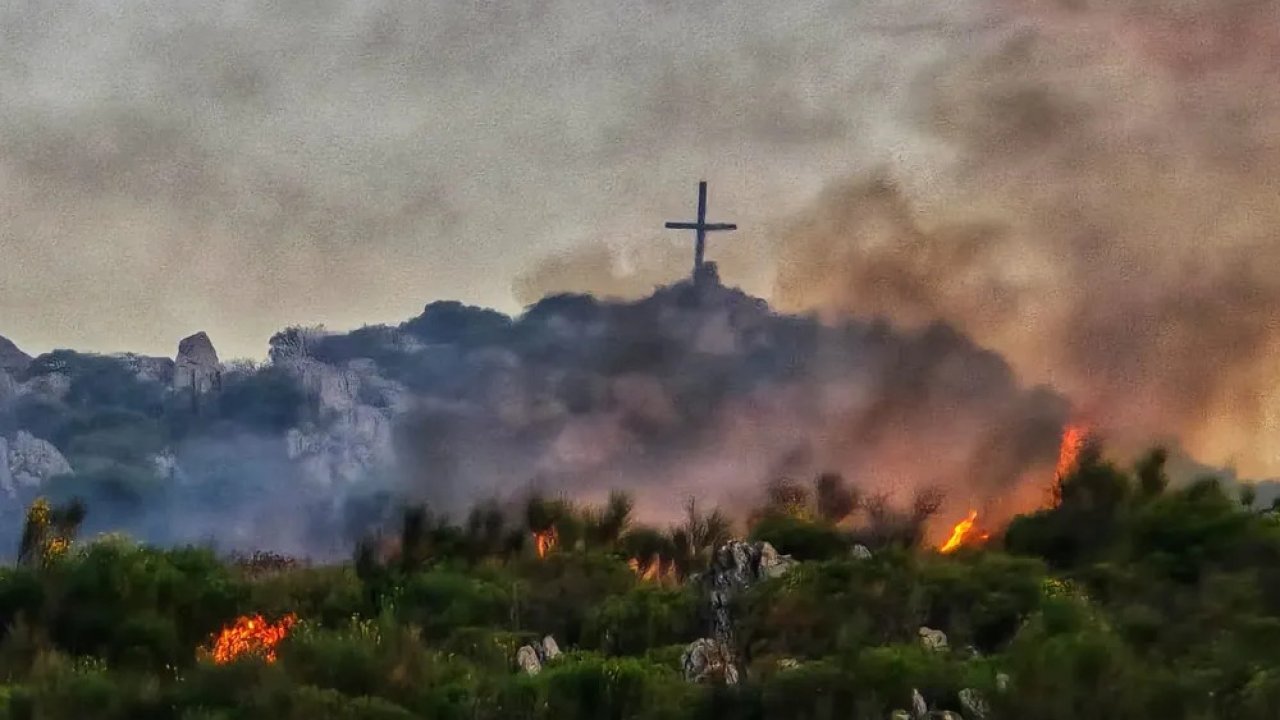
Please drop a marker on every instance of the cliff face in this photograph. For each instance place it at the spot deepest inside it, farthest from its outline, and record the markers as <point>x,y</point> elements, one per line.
<point>12,359</point>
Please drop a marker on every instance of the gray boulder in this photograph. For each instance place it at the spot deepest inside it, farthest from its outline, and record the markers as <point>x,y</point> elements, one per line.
<point>528,661</point>
<point>709,661</point>
<point>550,648</point>
<point>197,369</point>
<point>935,640</point>
<point>734,567</point>
<point>860,552</point>
<point>31,462</point>
<point>974,704</point>
<point>919,708</point>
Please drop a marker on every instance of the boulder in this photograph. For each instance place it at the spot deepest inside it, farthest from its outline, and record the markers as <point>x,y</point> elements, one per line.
<point>527,660</point>
<point>935,640</point>
<point>709,660</point>
<point>1002,682</point>
<point>974,704</point>
<point>32,462</point>
<point>550,648</point>
<point>12,360</point>
<point>788,664</point>
<point>919,708</point>
<point>899,715</point>
<point>197,369</point>
<point>860,552</point>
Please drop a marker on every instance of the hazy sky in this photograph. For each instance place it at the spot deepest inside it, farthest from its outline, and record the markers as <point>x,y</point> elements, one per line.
<point>172,166</point>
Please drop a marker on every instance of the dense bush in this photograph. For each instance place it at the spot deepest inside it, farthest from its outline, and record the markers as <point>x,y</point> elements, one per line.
<point>1126,599</point>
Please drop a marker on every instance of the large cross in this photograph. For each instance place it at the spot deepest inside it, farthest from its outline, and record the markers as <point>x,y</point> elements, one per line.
<point>701,226</point>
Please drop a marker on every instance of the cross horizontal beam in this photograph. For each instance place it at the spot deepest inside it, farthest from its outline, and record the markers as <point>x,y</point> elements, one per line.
<point>701,227</point>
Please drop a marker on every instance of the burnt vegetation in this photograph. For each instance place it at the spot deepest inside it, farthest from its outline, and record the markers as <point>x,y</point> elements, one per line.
<point>1128,598</point>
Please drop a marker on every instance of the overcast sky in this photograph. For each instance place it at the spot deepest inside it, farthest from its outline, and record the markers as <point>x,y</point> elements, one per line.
<point>168,166</point>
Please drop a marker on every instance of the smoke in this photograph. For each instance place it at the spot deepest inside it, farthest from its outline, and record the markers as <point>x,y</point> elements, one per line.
<point>1107,220</point>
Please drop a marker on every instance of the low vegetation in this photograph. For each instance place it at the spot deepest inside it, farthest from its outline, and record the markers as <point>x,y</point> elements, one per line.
<point>1126,600</point>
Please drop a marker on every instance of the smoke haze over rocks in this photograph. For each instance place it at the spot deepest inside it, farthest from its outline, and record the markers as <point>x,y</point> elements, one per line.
<point>695,390</point>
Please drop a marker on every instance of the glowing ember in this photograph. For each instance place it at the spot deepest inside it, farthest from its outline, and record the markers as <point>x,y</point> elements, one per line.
<point>251,635</point>
<point>964,534</point>
<point>545,541</point>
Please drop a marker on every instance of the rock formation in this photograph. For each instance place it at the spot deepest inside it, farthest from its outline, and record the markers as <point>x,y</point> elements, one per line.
<point>935,640</point>
<point>12,360</point>
<point>974,704</point>
<point>30,462</point>
<point>709,661</point>
<point>527,660</point>
<point>149,369</point>
<point>197,369</point>
<point>736,566</point>
<point>531,658</point>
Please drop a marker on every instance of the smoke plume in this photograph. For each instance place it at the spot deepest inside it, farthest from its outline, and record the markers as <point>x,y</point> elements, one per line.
<point>1108,220</point>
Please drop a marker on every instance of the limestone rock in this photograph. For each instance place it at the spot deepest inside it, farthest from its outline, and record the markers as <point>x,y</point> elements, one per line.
<point>346,449</point>
<point>12,360</point>
<point>8,388</point>
<point>935,640</point>
<point>6,475</point>
<point>550,648</point>
<point>197,369</point>
<point>919,708</point>
<point>32,461</point>
<point>788,664</point>
<point>147,368</point>
<point>52,385</point>
<point>975,706</point>
<point>899,715</point>
<point>527,660</point>
<point>709,660</point>
<point>1002,682</point>
<point>860,552</point>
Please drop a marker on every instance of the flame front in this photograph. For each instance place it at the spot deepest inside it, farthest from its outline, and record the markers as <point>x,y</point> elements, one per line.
<point>654,570</point>
<point>1073,439</point>
<point>963,533</point>
<point>545,541</point>
<point>251,635</point>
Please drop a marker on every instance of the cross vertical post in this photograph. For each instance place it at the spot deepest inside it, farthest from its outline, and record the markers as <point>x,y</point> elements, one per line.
<point>701,227</point>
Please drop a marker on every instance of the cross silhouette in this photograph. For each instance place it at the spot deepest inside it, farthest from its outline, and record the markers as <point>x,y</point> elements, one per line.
<point>702,227</point>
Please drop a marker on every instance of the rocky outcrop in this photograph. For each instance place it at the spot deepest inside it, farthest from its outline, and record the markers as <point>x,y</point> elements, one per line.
<point>736,566</point>
<point>30,462</point>
<point>528,661</point>
<point>919,708</point>
<point>709,661</point>
<point>149,369</point>
<point>12,360</point>
<point>344,449</point>
<point>197,369</point>
<point>975,706</point>
<point>934,640</point>
<point>530,658</point>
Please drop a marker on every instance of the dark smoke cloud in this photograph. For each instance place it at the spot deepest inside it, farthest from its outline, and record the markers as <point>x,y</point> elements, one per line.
<point>1108,219</point>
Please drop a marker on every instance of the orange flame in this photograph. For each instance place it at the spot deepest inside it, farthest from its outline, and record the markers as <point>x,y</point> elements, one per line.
<point>1073,439</point>
<point>963,533</point>
<point>652,571</point>
<point>251,635</point>
<point>545,541</point>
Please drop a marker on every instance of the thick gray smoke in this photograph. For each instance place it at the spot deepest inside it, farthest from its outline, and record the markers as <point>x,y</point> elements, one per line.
<point>1109,221</point>
<point>696,390</point>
